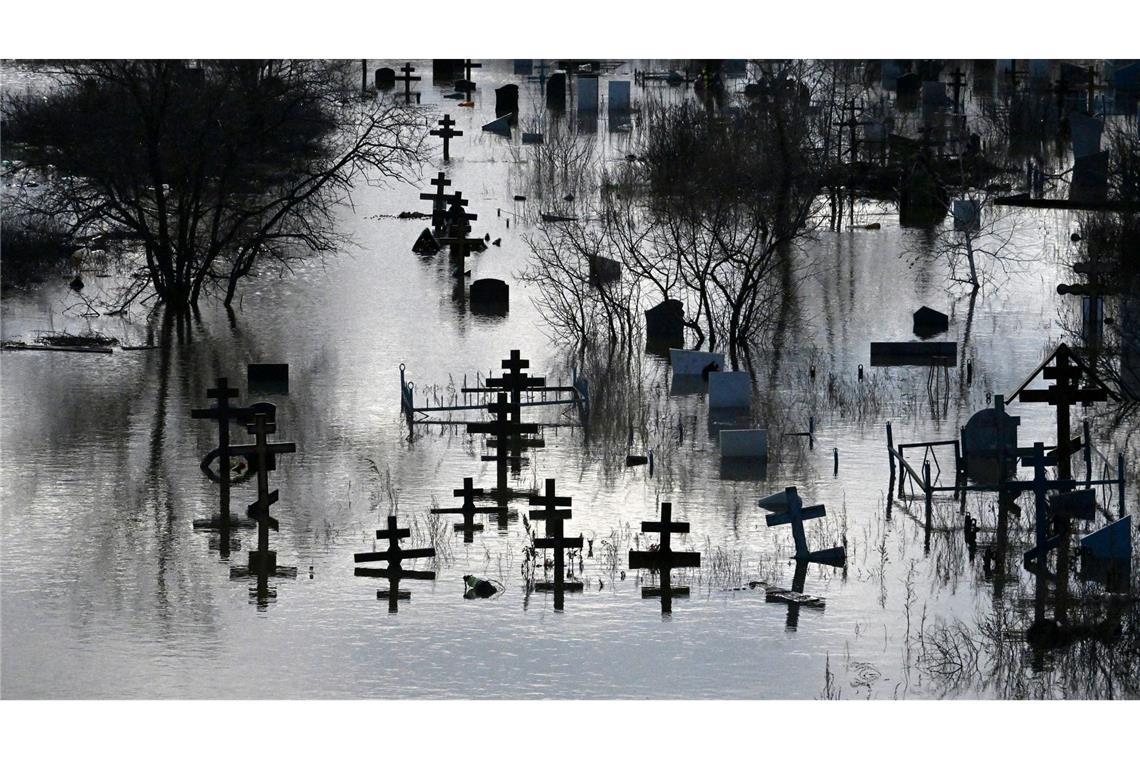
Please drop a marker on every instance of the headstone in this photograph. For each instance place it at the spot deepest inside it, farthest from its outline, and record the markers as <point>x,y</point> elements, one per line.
<point>523,67</point>
<point>744,444</point>
<point>425,243</point>
<point>507,100</point>
<point>1086,132</point>
<point>694,362</point>
<point>604,270</point>
<point>908,85</point>
<point>445,70</point>
<point>500,126</point>
<point>267,378</point>
<point>934,95</point>
<point>1090,178</point>
<point>730,390</point>
<point>928,322</point>
<point>587,94</point>
<point>1039,69</point>
<point>1130,346</point>
<point>618,99</point>
<point>665,323</point>
<point>490,296</point>
<point>385,78</point>
<point>967,213</point>
<point>556,91</point>
<point>987,433</point>
<point>1112,543</point>
<point>532,138</point>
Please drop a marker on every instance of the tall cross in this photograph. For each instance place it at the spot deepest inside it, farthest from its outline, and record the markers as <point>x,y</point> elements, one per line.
<point>509,440</point>
<point>664,559</point>
<point>446,132</point>
<point>395,571</point>
<point>467,66</point>
<point>795,515</point>
<point>516,381</point>
<point>224,414</point>
<point>957,82</point>
<point>468,510</point>
<point>555,534</point>
<point>407,79</point>
<point>262,450</point>
<point>1091,87</point>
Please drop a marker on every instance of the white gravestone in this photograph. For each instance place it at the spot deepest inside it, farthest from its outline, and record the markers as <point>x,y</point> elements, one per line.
<point>693,362</point>
<point>729,390</point>
<point>744,444</point>
<point>587,94</point>
<point>619,95</point>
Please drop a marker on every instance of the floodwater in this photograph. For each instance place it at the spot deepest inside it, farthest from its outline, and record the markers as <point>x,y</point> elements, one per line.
<point>109,592</point>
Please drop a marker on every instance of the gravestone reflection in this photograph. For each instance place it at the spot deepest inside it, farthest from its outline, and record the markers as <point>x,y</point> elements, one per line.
<point>555,539</point>
<point>662,558</point>
<point>395,571</point>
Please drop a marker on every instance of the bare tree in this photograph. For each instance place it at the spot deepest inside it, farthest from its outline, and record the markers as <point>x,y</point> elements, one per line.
<point>212,169</point>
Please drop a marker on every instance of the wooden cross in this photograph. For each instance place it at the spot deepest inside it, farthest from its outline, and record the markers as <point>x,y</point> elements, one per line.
<point>262,450</point>
<point>663,559</point>
<point>224,414</point>
<point>795,515</point>
<point>468,510</point>
<point>516,381</point>
<point>457,220</point>
<point>446,133</point>
<point>407,79</point>
<point>957,82</point>
<point>542,69</point>
<point>467,66</point>
<point>395,571</point>
<point>555,537</point>
<point>1037,459</point>
<point>1091,87</point>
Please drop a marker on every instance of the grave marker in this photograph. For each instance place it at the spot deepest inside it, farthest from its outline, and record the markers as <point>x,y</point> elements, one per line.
<point>468,527</point>
<point>664,558</point>
<point>795,514</point>
<point>555,539</point>
<point>407,79</point>
<point>262,450</point>
<point>395,571</point>
<point>224,415</point>
<point>446,132</point>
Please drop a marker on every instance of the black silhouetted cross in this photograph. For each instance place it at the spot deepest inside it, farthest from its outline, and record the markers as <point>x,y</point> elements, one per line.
<point>468,510</point>
<point>957,82</point>
<point>467,66</point>
<point>262,450</point>
<point>515,381</point>
<point>664,558</point>
<point>446,133</point>
<point>555,534</point>
<point>224,414</point>
<point>395,571</point>
<point>407,79</point>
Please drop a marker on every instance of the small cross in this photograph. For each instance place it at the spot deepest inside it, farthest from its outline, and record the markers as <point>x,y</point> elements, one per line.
<point>395,571</point>
<point>555,535</point>
<point>446,133</point>
<point>664,559</point>
<point>550,503</point>
<point>468,510</point>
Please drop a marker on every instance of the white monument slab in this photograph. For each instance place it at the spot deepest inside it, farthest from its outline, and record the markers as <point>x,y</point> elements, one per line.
<point>587,94</point>
<point>744,444</point>
<point>619,95</point>
<point>729,390</point>
<point>693,362</point>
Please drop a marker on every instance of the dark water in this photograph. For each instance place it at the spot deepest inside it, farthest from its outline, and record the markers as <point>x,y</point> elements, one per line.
<point>109,592</point>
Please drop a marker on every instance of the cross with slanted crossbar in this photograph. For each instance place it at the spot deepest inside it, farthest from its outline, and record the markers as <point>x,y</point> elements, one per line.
<point>555,534</point>
<point>446,133</point>
<point>224,414</point>
<point>795,515</point>
<point>468,510</point>
<point>261,449</point>
<point>663,559</point>
<point>516,381</point>
<point>395,571</point>
<point>407,79</point>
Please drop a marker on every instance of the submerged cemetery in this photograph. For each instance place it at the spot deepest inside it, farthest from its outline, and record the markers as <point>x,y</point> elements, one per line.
<point>590,379</point>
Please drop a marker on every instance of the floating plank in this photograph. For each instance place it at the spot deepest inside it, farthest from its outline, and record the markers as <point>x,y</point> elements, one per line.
<point>571,586</point>
<point>914,354</point>
<point>69,349</point>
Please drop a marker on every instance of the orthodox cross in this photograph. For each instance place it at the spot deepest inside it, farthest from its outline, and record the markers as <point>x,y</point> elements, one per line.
<point>468,510</point>
<point>262,450</point>
<point>224,414</point>
<point>957,82</point>
<point>446,132</point>
<point>555,537</point>
<point>509,440</point>
<point>395,571</point>
<point>663,559</point>
<point>1091,87</point>
<point>407,79</point>
<point>516,381</point>
<point>467,66</point>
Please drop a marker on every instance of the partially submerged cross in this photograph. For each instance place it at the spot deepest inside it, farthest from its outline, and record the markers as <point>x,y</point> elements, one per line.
<point>515,381</point>
<point>407,79</point>
<point>395,571</point>
<point>795,515</point>
<point>509,439</point>
<point>555,538</point>
<point>262,451</point>
<point>223,414</point>
<point>468,510</point>
<point>446,132</point>
<point>467,66</point>
<point>663,559</point>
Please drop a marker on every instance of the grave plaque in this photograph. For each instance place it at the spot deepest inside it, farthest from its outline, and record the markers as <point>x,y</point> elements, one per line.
<point>619,95</point>
<point>587,94</point>
<point>730,390</point>
<point>695,362</point>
